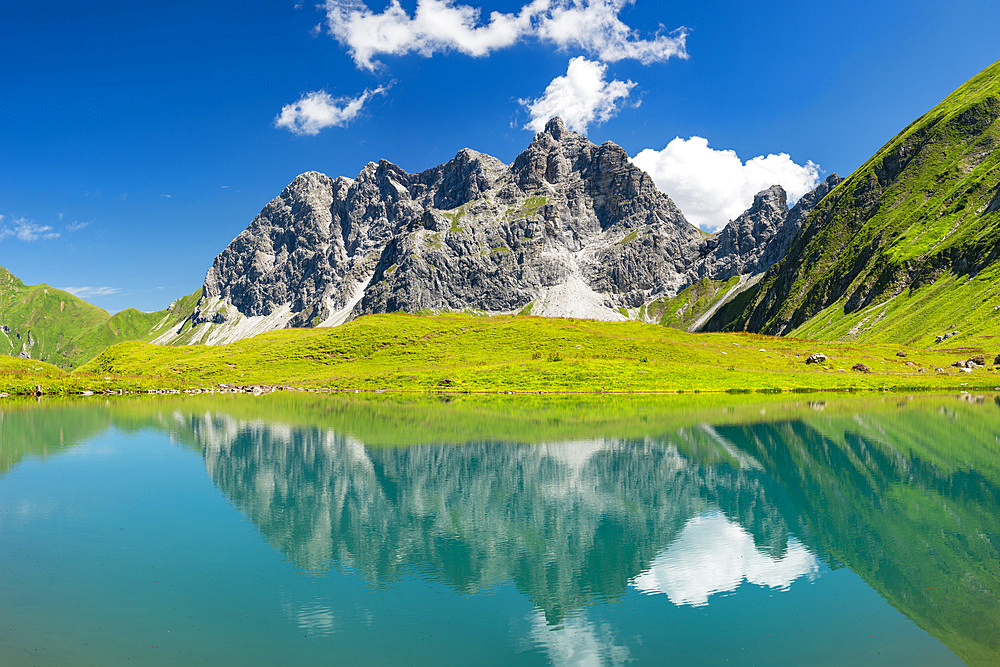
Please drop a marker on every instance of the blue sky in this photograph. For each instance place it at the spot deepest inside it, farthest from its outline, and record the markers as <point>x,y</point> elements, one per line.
<point>140,138</point>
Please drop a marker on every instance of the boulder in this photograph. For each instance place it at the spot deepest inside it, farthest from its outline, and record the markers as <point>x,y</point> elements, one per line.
<point>901,354</point>
<point>861,368</point>
<point>819,358</point>
<point>978,359</point>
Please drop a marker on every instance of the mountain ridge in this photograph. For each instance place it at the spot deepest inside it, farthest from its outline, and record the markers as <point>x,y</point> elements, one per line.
<point>569,228</point>
<point>922,210</point>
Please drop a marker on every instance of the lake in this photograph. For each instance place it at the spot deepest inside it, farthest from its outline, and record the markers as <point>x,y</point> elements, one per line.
<point>303,529</point>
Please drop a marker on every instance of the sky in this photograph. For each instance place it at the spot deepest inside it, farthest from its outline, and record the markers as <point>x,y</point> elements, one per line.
<point>138,139</point>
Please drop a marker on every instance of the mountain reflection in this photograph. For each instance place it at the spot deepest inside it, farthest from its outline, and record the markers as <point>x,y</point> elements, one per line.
<point>907,497</point>
<point>687,502</point>
<point>566,522</point>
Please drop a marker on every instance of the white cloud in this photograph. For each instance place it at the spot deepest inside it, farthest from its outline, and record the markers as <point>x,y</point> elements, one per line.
<point>25,230</point>
<point>85,292</point>
<point>76,226</point>
<point>712,186</point>
<point>580,98</point>
<point>594,26</point>
<point>714,555</point>
<point>318,110</point>
<point>436,26</point>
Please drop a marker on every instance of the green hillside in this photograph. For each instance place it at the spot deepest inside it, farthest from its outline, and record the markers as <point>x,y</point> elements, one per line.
<point>906,248</point>
<point>519,353</point>
<point>47,324</point>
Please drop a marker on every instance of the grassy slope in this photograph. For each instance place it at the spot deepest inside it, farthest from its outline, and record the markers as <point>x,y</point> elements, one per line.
<point>517,353</point>
<point>683,310</point>
<point>52,318</point>
<point>918,213</point>
<point>67,330</point>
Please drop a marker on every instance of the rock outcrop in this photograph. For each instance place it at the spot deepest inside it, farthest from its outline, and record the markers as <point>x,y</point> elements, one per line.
<point>569,229</point>
<point>758,238</point>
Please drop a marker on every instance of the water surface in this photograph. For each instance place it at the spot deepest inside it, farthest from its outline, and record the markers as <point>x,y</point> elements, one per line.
<point>294,530</point>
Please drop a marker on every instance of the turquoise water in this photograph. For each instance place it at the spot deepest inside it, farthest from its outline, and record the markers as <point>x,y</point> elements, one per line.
<point>203,532</point>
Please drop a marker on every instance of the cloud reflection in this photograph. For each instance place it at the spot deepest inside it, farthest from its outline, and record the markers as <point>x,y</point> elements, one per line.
<point>714,555</point>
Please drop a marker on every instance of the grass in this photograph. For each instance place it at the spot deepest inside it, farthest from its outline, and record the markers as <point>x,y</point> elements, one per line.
<point>54,326</point>
<point>460,353</point>
<point>691,303</point>
<point>916,213</point>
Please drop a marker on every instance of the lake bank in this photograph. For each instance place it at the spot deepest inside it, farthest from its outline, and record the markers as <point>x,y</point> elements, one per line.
<point>467,354</point>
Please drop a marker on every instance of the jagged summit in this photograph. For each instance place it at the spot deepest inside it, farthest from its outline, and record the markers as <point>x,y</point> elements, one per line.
<point>555,127</point>
<point>569,228</point>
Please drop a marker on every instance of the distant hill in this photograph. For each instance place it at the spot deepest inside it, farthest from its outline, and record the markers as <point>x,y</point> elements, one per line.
<point>48,324</point>
<point>905,249</point>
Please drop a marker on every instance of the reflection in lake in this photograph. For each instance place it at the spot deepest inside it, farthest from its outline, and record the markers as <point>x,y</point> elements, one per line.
<point>641,511</point>
<point>566,522</point>
<point>712,555</point>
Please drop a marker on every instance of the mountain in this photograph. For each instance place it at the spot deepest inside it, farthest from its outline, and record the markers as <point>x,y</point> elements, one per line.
<point>568,229</point>
<point>48,324</point>
<point>907,247</point>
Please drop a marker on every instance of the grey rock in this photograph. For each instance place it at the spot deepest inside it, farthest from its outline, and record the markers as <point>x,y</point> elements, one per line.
<point>570,228</point>
<point>862,368</point>
<point>817,358</point>
<point>994,204</point>
<point>759,237</point>
<point>978,359</point>
<point>901,353</point>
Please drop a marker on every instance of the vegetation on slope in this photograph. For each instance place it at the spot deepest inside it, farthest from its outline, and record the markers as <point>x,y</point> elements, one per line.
<point>924,209</point>
<point>465,353</point>
<point>48,324</point>
<point>694,301</point>
<point>43,322</point>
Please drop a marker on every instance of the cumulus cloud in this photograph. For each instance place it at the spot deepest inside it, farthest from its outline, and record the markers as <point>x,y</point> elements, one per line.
<point>712,186</point>
<point>85,292</point>
<point>318,110</point>
<point>580,98</point>
<point>437,26</point>
<point>25,230</point>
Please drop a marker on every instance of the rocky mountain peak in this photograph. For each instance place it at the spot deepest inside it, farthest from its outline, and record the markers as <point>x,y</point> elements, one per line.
<point>773,198</point>
<point>759,237</point>
<point>569,229</point>
<point>555,127</point>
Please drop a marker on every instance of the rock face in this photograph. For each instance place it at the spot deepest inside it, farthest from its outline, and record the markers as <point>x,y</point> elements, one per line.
<point>569,229</point>
<point>759,237</point>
